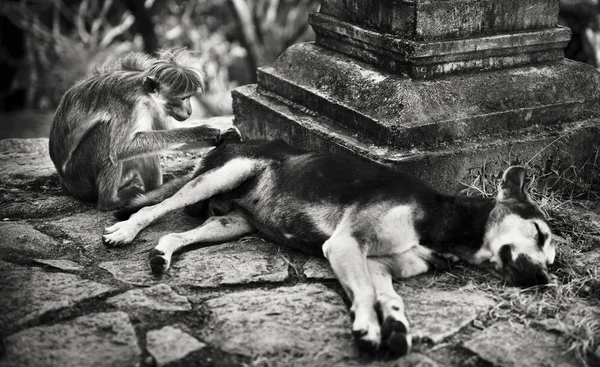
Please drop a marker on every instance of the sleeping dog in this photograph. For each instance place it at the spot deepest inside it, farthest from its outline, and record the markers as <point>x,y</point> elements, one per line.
<point>372,223</point>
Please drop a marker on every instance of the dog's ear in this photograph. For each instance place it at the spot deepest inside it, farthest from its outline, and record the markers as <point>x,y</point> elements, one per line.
<point>513,184</point>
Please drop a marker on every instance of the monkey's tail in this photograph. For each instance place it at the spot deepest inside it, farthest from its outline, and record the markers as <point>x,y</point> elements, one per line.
<point>152,197</point>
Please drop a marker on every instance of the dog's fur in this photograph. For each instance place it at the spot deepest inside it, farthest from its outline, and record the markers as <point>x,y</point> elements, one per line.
<point>373,224</point>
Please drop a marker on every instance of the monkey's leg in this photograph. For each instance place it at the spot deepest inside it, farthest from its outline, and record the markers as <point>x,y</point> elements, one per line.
<point>108,182</point>
<point>149,170</point>
<point>152,142</point>
<point>394,326</point>
<point>216,181</point>
<point>215,229</point>
<point>121,183</point>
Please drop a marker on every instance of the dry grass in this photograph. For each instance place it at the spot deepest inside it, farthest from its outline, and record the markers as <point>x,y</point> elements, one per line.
<point>570,306</point>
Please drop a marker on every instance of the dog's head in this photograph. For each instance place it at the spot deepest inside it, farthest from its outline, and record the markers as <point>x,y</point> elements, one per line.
<point>517,240</point>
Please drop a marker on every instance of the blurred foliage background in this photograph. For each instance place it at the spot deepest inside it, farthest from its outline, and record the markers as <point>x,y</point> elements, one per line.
<point>46,45</point>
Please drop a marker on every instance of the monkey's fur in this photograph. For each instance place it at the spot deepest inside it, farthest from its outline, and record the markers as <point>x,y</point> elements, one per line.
<point>109,128</point>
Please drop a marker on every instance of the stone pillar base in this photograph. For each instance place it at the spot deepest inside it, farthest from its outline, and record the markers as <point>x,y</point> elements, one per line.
<point>444,130</point>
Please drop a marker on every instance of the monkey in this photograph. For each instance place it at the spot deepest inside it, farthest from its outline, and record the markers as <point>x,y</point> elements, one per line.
<point>108,129</point>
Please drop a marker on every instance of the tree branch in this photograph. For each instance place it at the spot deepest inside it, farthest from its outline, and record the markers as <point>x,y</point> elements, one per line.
<point>111,34</point>
<point>244,16</point>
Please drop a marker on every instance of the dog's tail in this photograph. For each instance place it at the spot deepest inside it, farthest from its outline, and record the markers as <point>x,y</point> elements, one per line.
<point>152,197</point>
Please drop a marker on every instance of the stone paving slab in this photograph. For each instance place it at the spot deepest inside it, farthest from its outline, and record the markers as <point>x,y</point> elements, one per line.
<point>437,314</point>
<point>65,265</point>
<point>241,262</point>
<point>83,228</point>
<point>23,161</point>
<point>318,268</point>
<point>511,344</point>
<point>432,314</point>
<point>86,229</point>
<point>307,321</point>
<point>21,204</point>
<point>158,298</point>
<point>170,344</point>
<point>301,325</point>
<point>22,240</point>
<point>28,293</point>
<point>103,339</point>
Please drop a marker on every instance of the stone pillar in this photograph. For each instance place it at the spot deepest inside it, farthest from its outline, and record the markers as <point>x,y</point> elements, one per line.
<point>436,88</point>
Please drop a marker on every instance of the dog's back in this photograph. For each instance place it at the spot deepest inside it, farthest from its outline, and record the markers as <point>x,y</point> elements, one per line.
<point>298,198</point>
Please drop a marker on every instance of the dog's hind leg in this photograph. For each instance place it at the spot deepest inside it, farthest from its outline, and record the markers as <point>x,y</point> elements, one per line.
<point>218,180</point>
<point>215,229</point>
<point>349,263</point>
<point>394,325</point>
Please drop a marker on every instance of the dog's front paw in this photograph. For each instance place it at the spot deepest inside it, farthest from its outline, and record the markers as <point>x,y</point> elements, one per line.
<point>121,233</point>
<point>159,261</point>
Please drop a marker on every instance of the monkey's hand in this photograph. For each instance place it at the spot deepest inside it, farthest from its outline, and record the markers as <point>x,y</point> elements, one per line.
<point>231,134</point>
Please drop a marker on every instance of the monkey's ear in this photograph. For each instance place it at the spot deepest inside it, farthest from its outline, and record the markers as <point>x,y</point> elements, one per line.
<point>151,84</point>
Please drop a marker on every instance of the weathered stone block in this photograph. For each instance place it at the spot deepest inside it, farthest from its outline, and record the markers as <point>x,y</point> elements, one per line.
<point>66,265</point>
<point>512,344</point>
<point>437,314</point>
<point>103,339</point>
<point>283,323</point>
<point>170,344</point>
<point>239,262</point>
<point>426,59</point>
<point>157,298</point>
<point>318,268</point>
<point>430,19</point>
<point>24,161</point>
<point>28,293</point>
<point>403,113</point>
<point>20,240</point>
<point>261,114</point>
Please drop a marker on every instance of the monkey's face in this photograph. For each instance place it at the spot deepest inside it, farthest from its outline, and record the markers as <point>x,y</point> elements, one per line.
<point>179,108</point>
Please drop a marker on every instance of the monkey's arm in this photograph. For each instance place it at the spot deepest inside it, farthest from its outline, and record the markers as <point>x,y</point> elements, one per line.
<point>151,142</point>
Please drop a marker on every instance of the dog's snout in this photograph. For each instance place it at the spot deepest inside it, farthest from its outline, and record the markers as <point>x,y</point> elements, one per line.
<point>523,272</point>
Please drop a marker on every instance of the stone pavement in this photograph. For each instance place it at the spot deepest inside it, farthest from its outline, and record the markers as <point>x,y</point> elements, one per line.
<point>68,300</point>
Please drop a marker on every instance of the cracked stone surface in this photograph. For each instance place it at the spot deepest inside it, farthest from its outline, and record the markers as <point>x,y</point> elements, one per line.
<point>22,240</point>
<point>27,293</point>
<point>439,314</point>
<point>90,225</point>
<point>234,304</point>
<point>571,318</point>
<point>103,339</point>
<point>21,204</point>
<point>432,315</point>
<point>248,261</point>
<point>318,268</point>
<point>287,322</point>
<point>414,360</point>
<point>159,298</point>
<point>23,161</point>
<point>84,229</point>
<point>170,344</point>
<point>66,265</point>
<point>512,344</point>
